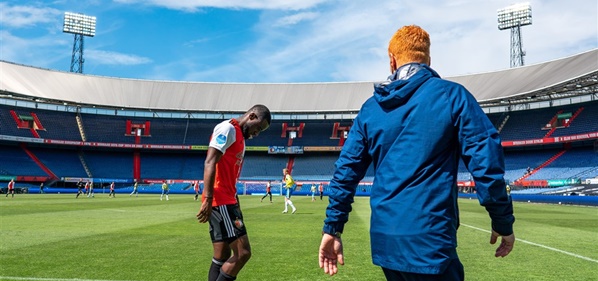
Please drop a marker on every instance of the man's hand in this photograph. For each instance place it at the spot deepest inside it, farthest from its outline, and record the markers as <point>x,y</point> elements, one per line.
<point>331,252</point>
<point>506,244</point>
<point>205,211</point>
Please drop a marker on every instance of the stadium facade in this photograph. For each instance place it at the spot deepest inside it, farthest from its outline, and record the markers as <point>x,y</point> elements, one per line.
<point>58,127</point>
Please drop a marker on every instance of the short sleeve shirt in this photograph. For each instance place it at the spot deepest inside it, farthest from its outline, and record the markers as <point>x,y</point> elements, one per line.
<point>228,139</point>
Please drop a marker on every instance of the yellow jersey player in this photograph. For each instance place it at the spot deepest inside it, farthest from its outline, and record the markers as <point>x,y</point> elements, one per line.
<point>289,185</point>
<point>165,191</point>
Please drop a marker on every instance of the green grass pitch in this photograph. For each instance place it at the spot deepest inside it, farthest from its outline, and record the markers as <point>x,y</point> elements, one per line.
<point>57,237</point>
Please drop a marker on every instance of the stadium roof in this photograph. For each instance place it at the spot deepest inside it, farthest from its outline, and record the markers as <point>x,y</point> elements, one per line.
<point>571,76</point>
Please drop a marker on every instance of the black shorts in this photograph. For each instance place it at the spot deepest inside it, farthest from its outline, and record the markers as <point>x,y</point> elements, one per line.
<point>226,223</point>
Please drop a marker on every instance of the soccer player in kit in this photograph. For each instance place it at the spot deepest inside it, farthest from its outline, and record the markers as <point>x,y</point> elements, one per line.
<point>87,188</point>
<point>11,188</point>
<point>414,131</point>
<point>313,193</point>
<point>134,189</point>
<point>165,191</point>
<point>268,191</point>
<point>90,190</point>
<point>196,188</point>
<point>79,188</point>
<point>111,190</point>
<point>220,205</point>
<point>321,188</point>
<point>289,184</point>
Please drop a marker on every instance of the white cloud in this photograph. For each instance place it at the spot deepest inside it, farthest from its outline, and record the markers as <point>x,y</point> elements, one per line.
<point>348,42</point>
<point>41,51</point>
<point>194,5</point>
<point>26,16</point>
<point>114,58</point>
<point>296,18</point>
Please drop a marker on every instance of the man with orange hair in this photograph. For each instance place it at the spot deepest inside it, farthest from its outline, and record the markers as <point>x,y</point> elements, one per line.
<point>414,131</point>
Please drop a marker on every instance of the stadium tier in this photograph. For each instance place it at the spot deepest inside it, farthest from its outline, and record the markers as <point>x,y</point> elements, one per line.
<point>76,160</point>
<point>85,126</point>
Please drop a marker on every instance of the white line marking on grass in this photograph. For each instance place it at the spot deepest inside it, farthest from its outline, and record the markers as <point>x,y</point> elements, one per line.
<point>538,245</point>
<point>51,279</point>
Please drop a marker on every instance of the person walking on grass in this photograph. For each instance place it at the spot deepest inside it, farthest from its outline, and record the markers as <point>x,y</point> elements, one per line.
<point>220,203</point>
<point>414,130</point>
<point>268,191</point>
<point>11,188</point>
<point>112,190</point>
<point>289,185</point>
<point>165,191</point>
<point>135,191</point>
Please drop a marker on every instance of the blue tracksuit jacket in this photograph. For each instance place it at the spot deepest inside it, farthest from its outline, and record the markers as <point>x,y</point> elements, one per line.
<point>413,131</point>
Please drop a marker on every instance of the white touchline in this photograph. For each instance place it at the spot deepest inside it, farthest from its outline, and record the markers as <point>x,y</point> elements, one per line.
<point>50,279</point>
<point>539,245</point>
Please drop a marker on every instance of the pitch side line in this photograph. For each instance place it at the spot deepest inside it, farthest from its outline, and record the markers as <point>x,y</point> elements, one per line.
<point>51,279</point>
<point>538,245</point>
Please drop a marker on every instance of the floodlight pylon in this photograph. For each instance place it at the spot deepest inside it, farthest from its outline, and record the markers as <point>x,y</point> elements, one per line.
<point>80,25</point>
<point>514,17</point>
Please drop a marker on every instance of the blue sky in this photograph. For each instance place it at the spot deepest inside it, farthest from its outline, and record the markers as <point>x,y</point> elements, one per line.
<point>282,41</point>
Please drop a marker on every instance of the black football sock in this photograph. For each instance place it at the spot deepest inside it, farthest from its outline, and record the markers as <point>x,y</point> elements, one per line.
<point>215,269</point>
<point>225,277</point>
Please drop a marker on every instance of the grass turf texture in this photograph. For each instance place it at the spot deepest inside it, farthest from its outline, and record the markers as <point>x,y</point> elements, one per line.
<point>127,238</point>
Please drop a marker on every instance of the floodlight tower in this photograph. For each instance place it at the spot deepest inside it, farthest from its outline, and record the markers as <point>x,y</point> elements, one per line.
<point>80,25</point>
<point>514,17</point>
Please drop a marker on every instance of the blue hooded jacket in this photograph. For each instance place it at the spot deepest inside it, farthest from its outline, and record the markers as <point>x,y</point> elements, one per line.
<point>413,131</point>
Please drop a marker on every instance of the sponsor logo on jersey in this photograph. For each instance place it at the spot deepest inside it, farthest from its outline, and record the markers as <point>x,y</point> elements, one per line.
<point>221,139</point>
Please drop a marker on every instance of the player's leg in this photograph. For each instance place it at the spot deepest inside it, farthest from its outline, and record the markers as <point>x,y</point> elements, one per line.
<point>292,206</point>
<point>289,194</point>
<point>241,254</point>
<point>222,253</point>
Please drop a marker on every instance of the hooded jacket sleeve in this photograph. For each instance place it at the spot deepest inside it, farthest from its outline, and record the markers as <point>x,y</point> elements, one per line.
<point>350,168</point>
<point>482,153</point>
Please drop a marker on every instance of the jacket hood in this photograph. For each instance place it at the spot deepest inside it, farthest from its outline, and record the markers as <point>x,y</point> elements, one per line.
<point>401,85</point>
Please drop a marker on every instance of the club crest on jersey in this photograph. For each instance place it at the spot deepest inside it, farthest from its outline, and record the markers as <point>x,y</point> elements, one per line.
<point>221,139</point>
<point>239,223</point>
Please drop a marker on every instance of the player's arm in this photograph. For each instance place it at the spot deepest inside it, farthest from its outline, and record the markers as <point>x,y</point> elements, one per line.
<point>209,175</point>
<point>350,169</point>
<point>482,153</point>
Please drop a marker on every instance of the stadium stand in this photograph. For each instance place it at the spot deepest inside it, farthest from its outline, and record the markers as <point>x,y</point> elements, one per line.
<point>62,162</point>
<point>263,166</point>
<point>14,161</point>
<point>109,164</point>
<point>321,125</point>
<point>172,165</point>
<point>575,162</point>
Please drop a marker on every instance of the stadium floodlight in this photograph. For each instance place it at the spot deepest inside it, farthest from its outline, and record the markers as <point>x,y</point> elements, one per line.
<point>514,17</point>
<point>80,25</point>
